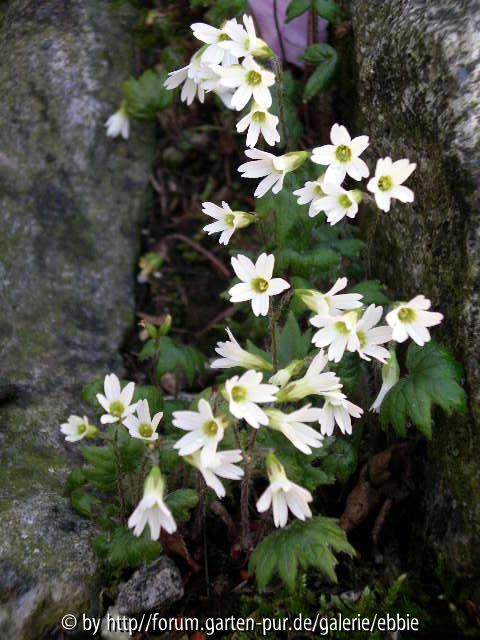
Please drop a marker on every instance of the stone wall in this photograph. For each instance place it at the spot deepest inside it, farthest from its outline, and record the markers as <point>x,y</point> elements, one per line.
<point>71,202</point>
<point>418,85</point>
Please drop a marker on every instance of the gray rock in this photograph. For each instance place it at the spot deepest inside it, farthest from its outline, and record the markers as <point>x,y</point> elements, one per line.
<point>154,586</point>
<point>71,203</point>
<point>419,97</point>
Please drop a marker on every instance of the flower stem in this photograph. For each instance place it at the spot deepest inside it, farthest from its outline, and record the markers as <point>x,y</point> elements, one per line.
<point>277,27</point>
<point>273,339</point>
<point>277,67</point>
<point>246,541</point>
<point>118,476</point>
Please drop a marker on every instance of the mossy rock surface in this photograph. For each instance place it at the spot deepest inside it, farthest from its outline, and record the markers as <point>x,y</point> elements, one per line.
<point>418,86</point>
<point>71,206</point>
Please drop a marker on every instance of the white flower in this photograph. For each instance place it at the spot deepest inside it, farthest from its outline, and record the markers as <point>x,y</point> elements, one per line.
<point>272,169</point>
<point>77,428</point>
<point>118,124</point>
<point>116,401</point>
<point>311,193</point>
<point>151,509</point>
<point>284,495</point>
<point>330,303</point>
<point>340,410</point>
<point>387,183</point>
<point>214,53</point>
<point>338,333</point>
<point>232,355</point>
<point>256,283</point>
<point>337,203</point>
<point>244,393</point>
<point>196,77</point>
<point>370,336</point>
<point>244,41</point>
<point>390,377</point>
<point>314,382</point>
<point>250,81</point>
<point>142,426</point>
<point>227,221</point>
<point>412,319</point>
<point>293,427</point>
<point>204,432</point>
<point>259,121</point>
<point>223,465</point>
<point>342,156</point>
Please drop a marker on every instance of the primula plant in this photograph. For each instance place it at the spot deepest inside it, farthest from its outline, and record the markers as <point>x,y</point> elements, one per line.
<point>283,398</point>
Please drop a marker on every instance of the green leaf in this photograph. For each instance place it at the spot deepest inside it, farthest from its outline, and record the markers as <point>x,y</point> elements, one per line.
<point>297,8</point>
<point>152,395</point>
<point>146,96</point>
<point>326,59</point>
<point>306,544</point>
<point>433,379</point>
<point>303,262</point>
<point>225,9</point>
<point>340,458</point>
<point>75,479</point>
<point>291,96</point>
<point>90,390</point>
<point>291,343</point>
<point>172,357</point>
<point>372,292</point>
<point>327,9</point>
<point>101,473</point>
<point>349,370</point>
<point>124,550</point>
<point>180,502</point>
<point>83,503</point>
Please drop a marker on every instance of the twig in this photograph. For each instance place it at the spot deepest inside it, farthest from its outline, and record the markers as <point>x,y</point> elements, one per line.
<point>223,315</point>
<point>198,247</point>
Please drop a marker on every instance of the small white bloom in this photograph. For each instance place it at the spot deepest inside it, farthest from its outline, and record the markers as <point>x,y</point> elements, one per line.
<point>250,81</point>
<point>245,393</point>
<point>222,465</point>
<point>390,377</point>
<point>196,77</point>
<point>271,168</point>
<point>118,124</point>
<point>311,193</point>
<point>214,53</point>
<point>116,401</point>
<point>204,432</point>
<point>244,40</point>
<point>371,337</point>
<point>77,428</point>
<point>293,427</point>
<point>387,183</point>
<point>337,409</point>
<point>256,283</point>
<point>227,221</point>
<point>314,382</point>
<point>342,156</point>
<point>284,494</point>
<point>259,121</point>
<point>142,426</point>
<point>412,319</point>
<point>151,509</point>
<point>232,355</point>
<point>337,203</point>
<point>330,303</point>
<point>339,333</point>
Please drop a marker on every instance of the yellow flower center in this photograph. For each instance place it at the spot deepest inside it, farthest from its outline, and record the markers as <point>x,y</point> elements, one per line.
<point>239,393</point>
<point>318,191</point>
<point>210,428</point>
<point>260,285</point>
<point>406,314</point>
<point>253,78</point>
<point>343,153</point>
<point>344,201</point>
<point>385,183</point>
<point>223,37</point>
<point>259,117</point>
<point>362,339</point>
<point>229,219</point>
<point>116,409</point>
<point>341,327</point>
<point>82,428</point>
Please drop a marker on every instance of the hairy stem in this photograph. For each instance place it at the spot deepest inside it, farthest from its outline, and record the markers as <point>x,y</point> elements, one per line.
<point>246,540</point>
<point>118,476</point>
<point>277,27</point>
<point>273,339</point>
<point>277,67</point>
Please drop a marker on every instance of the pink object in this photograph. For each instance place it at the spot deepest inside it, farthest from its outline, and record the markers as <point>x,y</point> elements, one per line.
<point>294,33</point>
